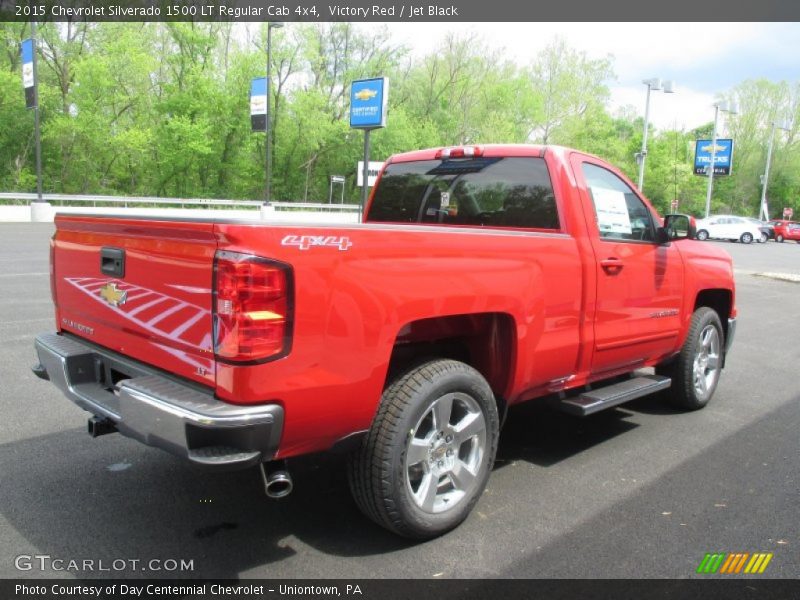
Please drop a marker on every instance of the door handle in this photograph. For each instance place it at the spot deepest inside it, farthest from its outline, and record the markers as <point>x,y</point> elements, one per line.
<point>612,264</point>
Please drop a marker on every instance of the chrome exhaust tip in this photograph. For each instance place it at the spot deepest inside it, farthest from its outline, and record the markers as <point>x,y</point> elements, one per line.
<point>277,480</point>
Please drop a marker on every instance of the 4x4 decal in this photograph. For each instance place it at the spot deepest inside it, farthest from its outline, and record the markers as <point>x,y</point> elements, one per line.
<point>304,242</point>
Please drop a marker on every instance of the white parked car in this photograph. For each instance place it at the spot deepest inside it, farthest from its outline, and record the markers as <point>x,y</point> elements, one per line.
<point>728,227</point>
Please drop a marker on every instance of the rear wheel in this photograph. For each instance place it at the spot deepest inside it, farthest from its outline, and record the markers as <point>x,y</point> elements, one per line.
<point>747,238</point>
<point>430,450</point>
<point>764,238</point>
<point>779,238</point>
<point>696,370</point>
<point>702,235</point>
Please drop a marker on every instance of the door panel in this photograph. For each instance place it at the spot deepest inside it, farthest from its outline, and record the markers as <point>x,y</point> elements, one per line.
<point>639,282</point>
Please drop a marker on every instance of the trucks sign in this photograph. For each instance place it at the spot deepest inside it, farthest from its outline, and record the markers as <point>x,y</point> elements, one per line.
<point>723,157</point>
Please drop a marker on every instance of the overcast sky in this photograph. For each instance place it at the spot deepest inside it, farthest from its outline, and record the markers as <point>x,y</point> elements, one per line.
<point>704,59</point>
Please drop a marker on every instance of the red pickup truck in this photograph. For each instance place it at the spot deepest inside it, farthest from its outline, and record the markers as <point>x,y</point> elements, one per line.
<point>481,277</point>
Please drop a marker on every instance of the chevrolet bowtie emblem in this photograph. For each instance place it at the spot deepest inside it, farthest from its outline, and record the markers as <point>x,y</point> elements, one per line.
<point>112,295</point>
<point>366,94</point>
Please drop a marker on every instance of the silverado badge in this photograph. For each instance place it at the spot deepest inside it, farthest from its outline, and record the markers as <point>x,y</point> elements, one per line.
<point>112,295</point>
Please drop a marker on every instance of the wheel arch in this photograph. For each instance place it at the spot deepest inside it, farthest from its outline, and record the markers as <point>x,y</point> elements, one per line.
<point>718,299</point>
<point>484,341</point>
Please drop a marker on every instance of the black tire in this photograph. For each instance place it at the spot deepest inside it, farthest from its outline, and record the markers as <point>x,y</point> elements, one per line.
<point>747,238</point>
<point>379,473</point>
<point>702,235</point>
<point>684,392</point>
<point>764,238</point>
<point>779,238</point>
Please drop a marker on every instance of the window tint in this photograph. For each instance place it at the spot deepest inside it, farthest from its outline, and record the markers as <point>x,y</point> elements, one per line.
<point>496,192</point>
<point>621,215</point>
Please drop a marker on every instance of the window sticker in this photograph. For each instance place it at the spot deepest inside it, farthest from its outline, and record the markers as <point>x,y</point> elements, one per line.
<point>445,199</point>
<point>612,211</point>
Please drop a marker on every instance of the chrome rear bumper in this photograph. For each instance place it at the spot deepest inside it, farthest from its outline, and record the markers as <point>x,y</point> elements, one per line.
<point>159,411</point>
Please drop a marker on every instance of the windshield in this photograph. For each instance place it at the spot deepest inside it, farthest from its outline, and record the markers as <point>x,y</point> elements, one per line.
<point>489,191</point>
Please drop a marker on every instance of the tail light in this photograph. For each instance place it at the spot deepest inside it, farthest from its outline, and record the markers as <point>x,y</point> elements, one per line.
<point>253,308</point>
<point>53,269</point>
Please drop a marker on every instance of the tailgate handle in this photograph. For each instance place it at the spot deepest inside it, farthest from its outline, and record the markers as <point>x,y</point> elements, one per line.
<point>112,261</point>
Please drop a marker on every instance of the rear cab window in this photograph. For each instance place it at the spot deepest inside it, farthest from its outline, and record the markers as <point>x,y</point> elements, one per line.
<point>510,192</point>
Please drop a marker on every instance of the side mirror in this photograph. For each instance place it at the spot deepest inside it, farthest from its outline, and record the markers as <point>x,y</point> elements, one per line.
<point>678,227</point>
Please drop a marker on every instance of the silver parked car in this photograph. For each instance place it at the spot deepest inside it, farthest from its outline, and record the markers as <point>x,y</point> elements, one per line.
<point>728,227</point>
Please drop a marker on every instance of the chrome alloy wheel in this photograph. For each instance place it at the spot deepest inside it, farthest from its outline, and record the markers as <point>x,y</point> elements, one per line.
<point>445,453</point>
<point>707,362</point>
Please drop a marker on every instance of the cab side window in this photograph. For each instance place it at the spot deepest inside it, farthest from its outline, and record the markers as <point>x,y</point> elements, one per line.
<point>621,215</point>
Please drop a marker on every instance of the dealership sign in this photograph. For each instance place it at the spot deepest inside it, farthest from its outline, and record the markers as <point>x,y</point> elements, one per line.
<point>723,157</point>
<point>258,104</point>
<point>368,102</point>
<point>28,79</point>
<point>374,168</point>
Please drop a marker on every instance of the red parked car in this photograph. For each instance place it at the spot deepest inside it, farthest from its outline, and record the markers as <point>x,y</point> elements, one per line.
<point>786,230</point>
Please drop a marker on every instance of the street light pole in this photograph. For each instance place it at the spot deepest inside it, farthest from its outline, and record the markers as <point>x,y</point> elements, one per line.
<point>653,84</point>
<point>719,106</point>
<point>269,136</point>
<point>763,211</point>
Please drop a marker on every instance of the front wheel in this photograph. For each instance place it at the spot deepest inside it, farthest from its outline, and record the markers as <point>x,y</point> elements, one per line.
<point>430,450</point>
<point>747,238</point>
<point>702,235</point>
<point>696,370</point>
<point>779,238</point>
<point>764,238</point>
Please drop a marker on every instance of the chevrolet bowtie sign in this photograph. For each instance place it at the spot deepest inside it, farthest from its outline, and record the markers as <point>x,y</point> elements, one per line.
<point>368,103</point>
<point>723,156</point>
<point>258,104</point>
<point>28,77</point>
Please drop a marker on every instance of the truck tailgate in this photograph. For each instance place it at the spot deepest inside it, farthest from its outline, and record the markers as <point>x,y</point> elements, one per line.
<point>140,287</point>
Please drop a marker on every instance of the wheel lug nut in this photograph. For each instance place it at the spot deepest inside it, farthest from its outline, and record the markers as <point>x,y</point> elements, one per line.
<point>448,439</point>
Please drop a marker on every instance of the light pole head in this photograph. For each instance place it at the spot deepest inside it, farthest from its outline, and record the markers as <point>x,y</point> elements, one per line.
<point>275,24</point>
<point>669,86</point>
<point>728,107</point>
<point>654,83</point>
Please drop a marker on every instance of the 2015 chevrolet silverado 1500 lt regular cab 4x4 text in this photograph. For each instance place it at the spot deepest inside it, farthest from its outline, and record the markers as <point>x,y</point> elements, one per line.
<point>481,277</point>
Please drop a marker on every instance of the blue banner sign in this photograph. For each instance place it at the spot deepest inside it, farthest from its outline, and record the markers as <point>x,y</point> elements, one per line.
<point>368,102</point>
<point>258,104</point>
<point>723,157</point>
<point>28,76</point>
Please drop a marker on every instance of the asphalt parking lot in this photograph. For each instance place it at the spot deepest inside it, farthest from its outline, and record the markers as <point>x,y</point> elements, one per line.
<point>639,491</point>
